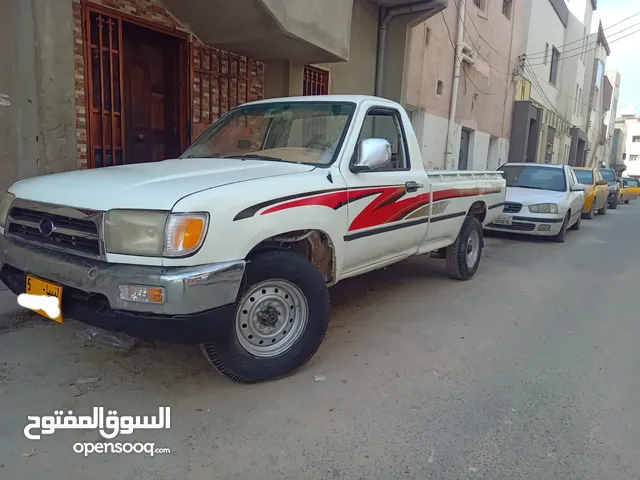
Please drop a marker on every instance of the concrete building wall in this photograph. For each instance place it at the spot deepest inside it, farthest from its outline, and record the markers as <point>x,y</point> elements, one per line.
<point>37,123</point>
<point>485,98</point>
<point>632,160</point>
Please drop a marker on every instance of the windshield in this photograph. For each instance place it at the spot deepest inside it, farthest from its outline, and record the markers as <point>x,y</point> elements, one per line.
<point>630,182</point>
<point>584,176</point>
<point>300,132</point>
<point>608,176</point>
<point>535,177</point>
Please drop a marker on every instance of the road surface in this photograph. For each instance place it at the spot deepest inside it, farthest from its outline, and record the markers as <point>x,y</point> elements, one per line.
<point>528,371</point>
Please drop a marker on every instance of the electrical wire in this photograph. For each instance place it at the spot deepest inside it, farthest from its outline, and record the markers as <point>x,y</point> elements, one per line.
<point>455,50</point>
<point>591,50</point>
<point>604,29</point>
<point>586,45</point>
<point>563,93</point>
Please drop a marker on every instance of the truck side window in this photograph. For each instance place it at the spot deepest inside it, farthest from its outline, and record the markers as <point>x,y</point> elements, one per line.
<point>385,123</point>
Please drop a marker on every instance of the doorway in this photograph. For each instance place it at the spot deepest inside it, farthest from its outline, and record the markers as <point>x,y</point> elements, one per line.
<point>136,89</point>
<point>463,159</point>
<point>550,145</point>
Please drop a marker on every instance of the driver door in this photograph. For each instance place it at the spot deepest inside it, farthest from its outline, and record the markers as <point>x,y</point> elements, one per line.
<point>381,202</point>
<point>576,199</point>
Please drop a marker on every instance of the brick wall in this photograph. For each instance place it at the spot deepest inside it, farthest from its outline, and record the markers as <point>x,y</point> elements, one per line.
<point>154,11</point>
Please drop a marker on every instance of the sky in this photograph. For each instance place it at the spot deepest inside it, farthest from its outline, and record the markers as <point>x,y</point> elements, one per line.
<point>624,52</point>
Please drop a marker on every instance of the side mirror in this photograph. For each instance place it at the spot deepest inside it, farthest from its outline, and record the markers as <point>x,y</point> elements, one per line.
<point>372,153</point>
<point>579,187</point>
<point>602,182</point>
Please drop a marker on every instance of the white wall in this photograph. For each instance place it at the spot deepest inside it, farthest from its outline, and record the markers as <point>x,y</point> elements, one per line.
<point>633,148</point>
<point>486,152</point>
<point>544,28</point>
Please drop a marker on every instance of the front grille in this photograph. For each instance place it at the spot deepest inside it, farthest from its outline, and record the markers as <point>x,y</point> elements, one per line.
<point>70,234</point>
<point>511,207</point>
<point>516,226</point>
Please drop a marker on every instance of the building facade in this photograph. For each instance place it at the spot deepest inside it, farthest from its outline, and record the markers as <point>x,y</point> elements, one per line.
<point>600,94</point>
<point>550,113</point>
<point>614,79</point>
<point>617,156</point>
<point>631,162</point>
<point>94,83</point>
<point>463,118</point>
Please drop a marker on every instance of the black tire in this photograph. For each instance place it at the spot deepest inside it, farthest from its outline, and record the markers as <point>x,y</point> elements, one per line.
<point>576,226</point>
<point>560,237</point>
<point>626,202</point>
<point>614,205</point>
<point>456,254</point>
<point>603,210</point>
<point>592,211</point>
<point>230,358</point>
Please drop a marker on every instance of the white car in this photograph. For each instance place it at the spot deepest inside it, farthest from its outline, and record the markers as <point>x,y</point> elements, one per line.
<point>541,200</point>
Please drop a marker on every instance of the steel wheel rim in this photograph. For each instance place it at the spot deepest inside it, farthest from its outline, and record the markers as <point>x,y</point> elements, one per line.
<point>271,318</point>
<point>473,249</point>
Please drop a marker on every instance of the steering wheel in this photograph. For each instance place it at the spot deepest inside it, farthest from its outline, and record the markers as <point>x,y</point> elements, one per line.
<point>323,145</point>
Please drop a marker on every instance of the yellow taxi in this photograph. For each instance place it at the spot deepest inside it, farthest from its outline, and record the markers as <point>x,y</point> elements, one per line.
<point>629,190</point>
<point>595,196</point>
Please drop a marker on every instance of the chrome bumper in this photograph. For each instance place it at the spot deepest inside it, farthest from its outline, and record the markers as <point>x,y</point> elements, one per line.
<point>188,289</point>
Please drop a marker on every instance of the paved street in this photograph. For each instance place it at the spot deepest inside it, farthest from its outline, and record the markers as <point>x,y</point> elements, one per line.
<point>528,371</point>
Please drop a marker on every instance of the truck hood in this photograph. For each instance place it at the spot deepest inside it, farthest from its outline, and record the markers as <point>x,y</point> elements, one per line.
<point>530,196</point>
<point>156,186</point>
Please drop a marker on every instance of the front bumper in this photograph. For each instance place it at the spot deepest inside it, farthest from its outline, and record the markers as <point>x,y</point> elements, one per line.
<point>195,296</point>
<point>534,224</point>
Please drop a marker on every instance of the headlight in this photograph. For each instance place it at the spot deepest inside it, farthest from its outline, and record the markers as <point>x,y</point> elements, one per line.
<point>5,205</point>
<point>154,233</point>
<point>544,208</point>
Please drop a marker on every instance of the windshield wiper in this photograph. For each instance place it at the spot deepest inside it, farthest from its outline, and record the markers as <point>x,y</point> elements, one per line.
<point>528,186</point>
<point>213,155</point>
<point>257,157</point>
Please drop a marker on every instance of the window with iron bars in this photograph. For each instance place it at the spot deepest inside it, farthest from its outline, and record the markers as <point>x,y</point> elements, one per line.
<point>507,6</point>
<point>316,81</point>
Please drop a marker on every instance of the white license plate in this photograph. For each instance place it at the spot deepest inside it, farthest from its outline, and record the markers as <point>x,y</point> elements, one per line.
<point>503,220</point>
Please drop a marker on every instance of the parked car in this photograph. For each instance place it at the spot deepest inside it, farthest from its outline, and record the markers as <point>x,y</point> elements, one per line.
<point>595,196</point>
<point>629,190</point>
<point>613,199</point>
<point>542,199</point>
<point>233,245</point>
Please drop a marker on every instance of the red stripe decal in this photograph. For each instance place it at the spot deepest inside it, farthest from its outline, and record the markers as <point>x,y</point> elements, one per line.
<point>388,206</point>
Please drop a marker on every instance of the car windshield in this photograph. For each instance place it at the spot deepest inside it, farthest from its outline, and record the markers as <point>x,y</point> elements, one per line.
<point>299,132</point>
<point>630,182</point>
<point>535,177</point>
<point>608,176</point>
<point>584,176</point>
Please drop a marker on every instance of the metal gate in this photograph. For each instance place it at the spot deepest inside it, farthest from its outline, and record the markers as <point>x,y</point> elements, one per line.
<point>103,43</point>
<point>316,81</point>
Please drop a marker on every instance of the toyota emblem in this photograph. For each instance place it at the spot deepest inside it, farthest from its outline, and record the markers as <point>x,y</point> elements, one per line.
<point>47,227</point>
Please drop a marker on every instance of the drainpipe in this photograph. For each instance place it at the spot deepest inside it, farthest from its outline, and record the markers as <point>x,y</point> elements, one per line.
<point>386,15</point>
<point>455,84</point>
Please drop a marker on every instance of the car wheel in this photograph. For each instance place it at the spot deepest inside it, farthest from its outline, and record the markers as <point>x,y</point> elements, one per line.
<point>281,318</point>
<point>592,211</point>
<point>614,205</point>
<point>626,202</point>
<point>576,226</point>
<point>463,257</point>
<point>560,237</point>
<point>603,210</point>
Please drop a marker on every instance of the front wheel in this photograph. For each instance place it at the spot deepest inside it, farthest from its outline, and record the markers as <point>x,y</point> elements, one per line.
<point>592,211</point>
<point>626,202</point>
<point>614,205</point>
<point>281,318</point>
<point>463,257</point>
<point>561,236</point>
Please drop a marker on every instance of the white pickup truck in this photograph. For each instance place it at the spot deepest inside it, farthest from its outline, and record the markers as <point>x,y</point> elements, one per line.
<point>233,245</point>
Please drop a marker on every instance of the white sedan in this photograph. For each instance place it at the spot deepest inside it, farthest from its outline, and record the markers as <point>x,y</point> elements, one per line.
<point>542,199</point>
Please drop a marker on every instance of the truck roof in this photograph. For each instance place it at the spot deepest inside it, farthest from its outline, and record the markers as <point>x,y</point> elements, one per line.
<point>330,98</point>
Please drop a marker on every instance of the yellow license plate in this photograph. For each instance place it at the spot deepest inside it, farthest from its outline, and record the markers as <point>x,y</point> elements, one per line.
<point>35,286</point>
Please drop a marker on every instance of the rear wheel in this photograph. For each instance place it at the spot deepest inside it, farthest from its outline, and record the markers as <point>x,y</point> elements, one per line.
<point>281,318</point>
<point>626,202</point>
<point>603,210</point>
<point>463,256</point>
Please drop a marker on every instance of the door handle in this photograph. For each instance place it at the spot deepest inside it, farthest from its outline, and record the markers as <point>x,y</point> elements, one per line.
<point>412,186</point>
